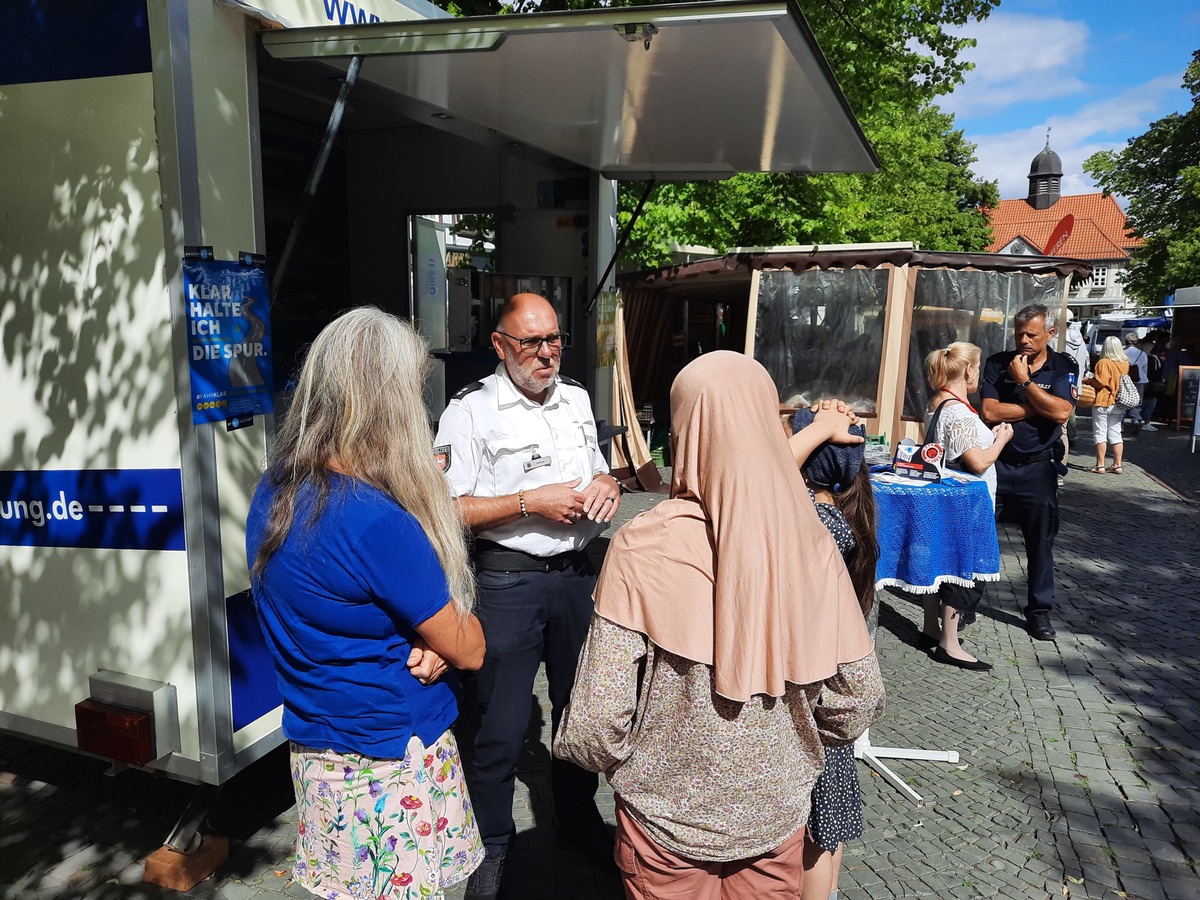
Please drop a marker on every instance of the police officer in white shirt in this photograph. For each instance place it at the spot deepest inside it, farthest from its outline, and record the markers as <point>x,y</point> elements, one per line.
<point>520,452</point>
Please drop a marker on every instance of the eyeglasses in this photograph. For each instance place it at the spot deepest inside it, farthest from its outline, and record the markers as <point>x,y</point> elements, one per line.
<point>553,341</point>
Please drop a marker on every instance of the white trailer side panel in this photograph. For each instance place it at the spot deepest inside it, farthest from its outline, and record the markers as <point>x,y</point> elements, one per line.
<point>87,385</point>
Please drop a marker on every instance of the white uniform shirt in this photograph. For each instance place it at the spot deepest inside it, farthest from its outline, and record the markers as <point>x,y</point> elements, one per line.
<point>493,441</point>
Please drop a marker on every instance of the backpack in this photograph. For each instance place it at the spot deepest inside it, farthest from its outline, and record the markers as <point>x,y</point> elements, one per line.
<point>1153,368</point>
<point>1135,369</point>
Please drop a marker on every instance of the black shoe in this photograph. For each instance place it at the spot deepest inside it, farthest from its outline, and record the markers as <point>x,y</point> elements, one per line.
<point>940,655</point>
<point>966,617</point>
<point>484,883</point>
<point>925,642</point>
<point>1038,625</point>
<point>593,841</point>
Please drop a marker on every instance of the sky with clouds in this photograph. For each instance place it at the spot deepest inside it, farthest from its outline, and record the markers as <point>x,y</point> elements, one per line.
<point>1096,72</point>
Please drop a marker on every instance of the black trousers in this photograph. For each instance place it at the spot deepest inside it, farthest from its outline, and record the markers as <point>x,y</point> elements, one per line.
<point>527,616</point>
<point>1028,495</point>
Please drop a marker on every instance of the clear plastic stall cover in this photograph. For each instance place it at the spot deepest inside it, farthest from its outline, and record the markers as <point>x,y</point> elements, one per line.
<point>820,333</point>
<point>955,305</point>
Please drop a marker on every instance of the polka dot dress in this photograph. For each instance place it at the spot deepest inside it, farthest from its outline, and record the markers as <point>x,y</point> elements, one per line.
<point>836,814</point>
<point>832,518</point>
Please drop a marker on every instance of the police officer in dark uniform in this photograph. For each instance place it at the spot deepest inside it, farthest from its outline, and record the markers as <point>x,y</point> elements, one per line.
<point>1031,388</point>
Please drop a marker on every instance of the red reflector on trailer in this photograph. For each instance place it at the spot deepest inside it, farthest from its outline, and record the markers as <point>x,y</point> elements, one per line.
<point>115,732</point>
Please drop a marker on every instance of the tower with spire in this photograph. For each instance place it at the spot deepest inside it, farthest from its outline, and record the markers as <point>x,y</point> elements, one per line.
<point>1045,178</point>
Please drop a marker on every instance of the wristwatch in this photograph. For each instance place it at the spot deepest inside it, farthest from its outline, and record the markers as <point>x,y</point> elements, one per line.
<point>1022,387</point>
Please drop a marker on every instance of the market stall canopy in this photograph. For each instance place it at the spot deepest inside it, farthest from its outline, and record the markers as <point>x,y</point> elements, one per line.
<point>850,256</point>
<point>687,91</point>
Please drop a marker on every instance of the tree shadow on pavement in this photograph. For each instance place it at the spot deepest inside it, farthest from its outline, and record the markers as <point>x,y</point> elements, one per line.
<point>71,830</point>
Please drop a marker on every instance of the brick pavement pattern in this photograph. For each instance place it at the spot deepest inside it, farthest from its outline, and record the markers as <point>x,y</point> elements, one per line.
<point>1079,774</point>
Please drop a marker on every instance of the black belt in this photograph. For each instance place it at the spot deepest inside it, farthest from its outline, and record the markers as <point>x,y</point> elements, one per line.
<point>492,557</point>
<point>1024,459</point>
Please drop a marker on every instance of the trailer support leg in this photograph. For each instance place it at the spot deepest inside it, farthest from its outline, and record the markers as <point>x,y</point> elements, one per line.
<point>188,857</point>
<point>185,836</point>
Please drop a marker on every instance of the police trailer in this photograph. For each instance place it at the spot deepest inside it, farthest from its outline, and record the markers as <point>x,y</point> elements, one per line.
<point>191,190</point>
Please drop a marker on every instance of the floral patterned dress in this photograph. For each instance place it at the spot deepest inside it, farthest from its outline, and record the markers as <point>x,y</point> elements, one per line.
<point>383,828</point>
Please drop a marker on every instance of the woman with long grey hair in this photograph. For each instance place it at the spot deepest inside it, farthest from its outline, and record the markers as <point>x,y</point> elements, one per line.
<point>362,583</point>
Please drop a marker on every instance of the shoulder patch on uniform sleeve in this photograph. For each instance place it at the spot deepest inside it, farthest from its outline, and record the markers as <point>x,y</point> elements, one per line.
<point>571,381</point>
<point>469,389</point>
<point>442,456</point>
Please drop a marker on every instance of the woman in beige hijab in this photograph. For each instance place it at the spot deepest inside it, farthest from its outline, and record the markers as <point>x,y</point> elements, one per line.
<point>726,646</point>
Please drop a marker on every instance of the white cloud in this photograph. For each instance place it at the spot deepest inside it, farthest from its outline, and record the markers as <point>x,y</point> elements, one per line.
<point>1103,125</point>
<point>1017,58</point>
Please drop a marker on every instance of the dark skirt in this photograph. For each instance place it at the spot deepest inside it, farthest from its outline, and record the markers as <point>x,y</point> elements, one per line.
<point>964,599</point>
<point>836,801</point>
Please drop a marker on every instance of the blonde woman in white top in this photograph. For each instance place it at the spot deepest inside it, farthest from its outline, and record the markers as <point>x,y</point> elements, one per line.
<point>970,446</point>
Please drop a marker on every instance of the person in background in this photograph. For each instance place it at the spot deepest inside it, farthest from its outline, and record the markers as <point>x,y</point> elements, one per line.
<point>827,446</point>
<point>727,646</point>
<point>1106,414</point>
<point>1139,373</point>
<point>969,446</point>
<point>1030,389</point>
<point>520,454</point>
<point>1075,349</point>
<point>1155,383</point>
<point>361,581</point>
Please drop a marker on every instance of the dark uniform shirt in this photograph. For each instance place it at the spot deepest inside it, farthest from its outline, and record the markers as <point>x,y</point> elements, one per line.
<point>1036,435</point>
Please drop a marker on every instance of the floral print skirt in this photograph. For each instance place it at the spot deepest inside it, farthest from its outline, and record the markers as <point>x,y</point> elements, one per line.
<point>383,828</point>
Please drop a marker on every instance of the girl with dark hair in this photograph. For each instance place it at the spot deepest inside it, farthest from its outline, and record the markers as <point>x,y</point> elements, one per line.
<point>828,448</point>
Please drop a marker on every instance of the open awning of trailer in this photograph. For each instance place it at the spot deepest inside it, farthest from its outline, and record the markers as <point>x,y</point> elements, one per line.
<point>670,92</point>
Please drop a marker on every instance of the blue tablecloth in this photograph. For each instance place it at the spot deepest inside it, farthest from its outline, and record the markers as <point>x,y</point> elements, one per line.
<point>931,534</point>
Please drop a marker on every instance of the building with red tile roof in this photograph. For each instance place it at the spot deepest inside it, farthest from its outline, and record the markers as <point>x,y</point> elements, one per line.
<point>1098,233</point>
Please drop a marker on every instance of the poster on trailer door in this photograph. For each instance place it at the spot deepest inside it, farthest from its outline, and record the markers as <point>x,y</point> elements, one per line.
<point>229,336</point>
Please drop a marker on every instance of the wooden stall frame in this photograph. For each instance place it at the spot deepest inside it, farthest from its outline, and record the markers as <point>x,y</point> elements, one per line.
<point>1061,343</point>
<point>893,368</point>
<point>899,312</point>
<point>752,311</point>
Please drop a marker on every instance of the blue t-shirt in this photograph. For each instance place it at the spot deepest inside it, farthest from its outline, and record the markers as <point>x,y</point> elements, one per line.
<point>1037,434</point>
<point>338,603</point>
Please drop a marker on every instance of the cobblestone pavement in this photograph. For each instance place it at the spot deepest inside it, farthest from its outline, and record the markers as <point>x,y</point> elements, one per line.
<point>1079,774</point>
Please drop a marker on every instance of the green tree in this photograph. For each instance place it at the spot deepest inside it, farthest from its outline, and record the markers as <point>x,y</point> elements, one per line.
<point>1159,173</point>
<point>923,192</point>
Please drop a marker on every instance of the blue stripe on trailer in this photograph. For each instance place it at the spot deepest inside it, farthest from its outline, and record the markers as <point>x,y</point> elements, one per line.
<point>254,690</point>
<point>116,509</point>
<point>62,40</point>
